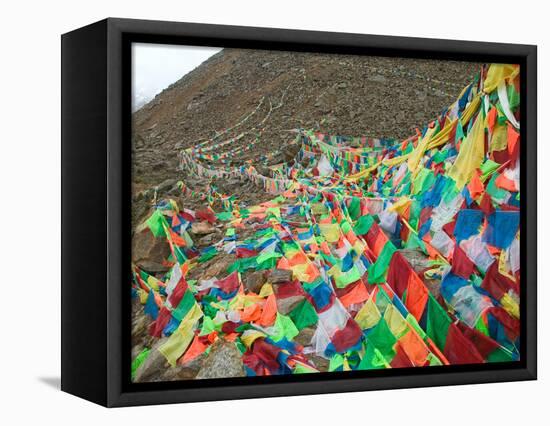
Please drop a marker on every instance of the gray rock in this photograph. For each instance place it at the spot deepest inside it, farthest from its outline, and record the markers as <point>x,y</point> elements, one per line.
<point>319,362</point>
<point>378,78</point>
<point>210,238</point>
<point>286,305</point>
<point>149,252</point>
<point>202,228</point>
<point>254,281</point>
<point>183,372</point>
<point>279,276</point>
<point>418,260</point>
<point>140,326</point>
<point>224,360</point>
<point>305,336</point>
<point>166,185</point>
<point>154,365</point>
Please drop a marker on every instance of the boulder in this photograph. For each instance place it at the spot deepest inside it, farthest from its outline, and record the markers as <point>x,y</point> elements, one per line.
<point>286,305</point>
<point>280,276</point>
<point>209,239</point>
<point>320,363</point>
<point>202,228</point>
<point>254,281</point>
<point>224,360</point>
<point>140,326</point>
<point>290,152</point>
<point>215,267</point>
<point>183,372</point>
<point>305,336</point>
<point>418,260</point>
<point>154,365</point>
<point>149,252</point>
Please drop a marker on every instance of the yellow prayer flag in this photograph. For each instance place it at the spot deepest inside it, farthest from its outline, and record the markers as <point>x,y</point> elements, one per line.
<point>498,73</point>
<point>418,153</point>
<point>510,305</point>
<point>266,290</point>
<point>395,321</point>
<point>249,336</point>
<point>142,296</point>
<point>368,316</point>
<point>180,339</point>
<point>470,156</point>
<point>331,232</point>
<point>499,138</point>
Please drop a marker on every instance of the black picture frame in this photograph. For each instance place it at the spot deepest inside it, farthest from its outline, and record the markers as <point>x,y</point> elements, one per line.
<point>96,211</point>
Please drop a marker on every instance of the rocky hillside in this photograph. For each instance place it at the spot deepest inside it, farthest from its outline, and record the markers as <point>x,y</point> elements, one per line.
<point>346,95</point>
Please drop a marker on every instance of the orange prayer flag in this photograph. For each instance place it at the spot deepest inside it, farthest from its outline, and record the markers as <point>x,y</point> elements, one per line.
<point>251,313</point>
<point>503,182</point>
<point>351,237</point>
<point>475,186</point>
<point>185,269</point>
<point>231,337</point>
<point>325,248</point>
<point>491,118</point>
<point>179,241</point>
<point>158,299</point>
<point>357,295</point>
<point>298,259</point>
<point>415,348</point>
<point>283,263</point>
<point>432,253</point>
<point>513,137</point>
<point>417,296</point>
<point>379,243</point>
<point>196,348</point>
<point>312,272</point>
<point>494,251</point>
<point>269,313</point>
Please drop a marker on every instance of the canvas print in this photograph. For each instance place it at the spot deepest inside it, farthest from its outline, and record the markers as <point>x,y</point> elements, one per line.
<point>298,213</point>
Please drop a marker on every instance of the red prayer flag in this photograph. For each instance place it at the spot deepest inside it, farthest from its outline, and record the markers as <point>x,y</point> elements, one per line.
<point>459,350</point>
<point>230,283</point>
<point>462,265</point>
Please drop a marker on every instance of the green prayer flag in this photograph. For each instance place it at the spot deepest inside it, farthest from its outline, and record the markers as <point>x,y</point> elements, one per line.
<point>303,369</point>
<point>437,324</point>
<point>377,271</point>
<point>382,339</point>
<point>488,167</point>
<point>184,306</point>
<point>336,363</point>
<point>304,315</point>
<point>285,328</point>
<point>363,224</point>
<point>208,326</point>
<point>225,216</point>
<point>271,254</point>
<point>142,356</point>
<point>156,224</point>
<point>343,279</point>
<point>500,355</point>
<point>372,359</point>
<point>354,208</point>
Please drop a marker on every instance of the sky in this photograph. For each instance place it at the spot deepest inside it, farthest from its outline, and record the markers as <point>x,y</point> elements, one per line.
<point>157,66</point>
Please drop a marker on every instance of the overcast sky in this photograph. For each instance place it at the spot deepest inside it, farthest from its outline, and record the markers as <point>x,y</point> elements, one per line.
<point>157,66</point>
